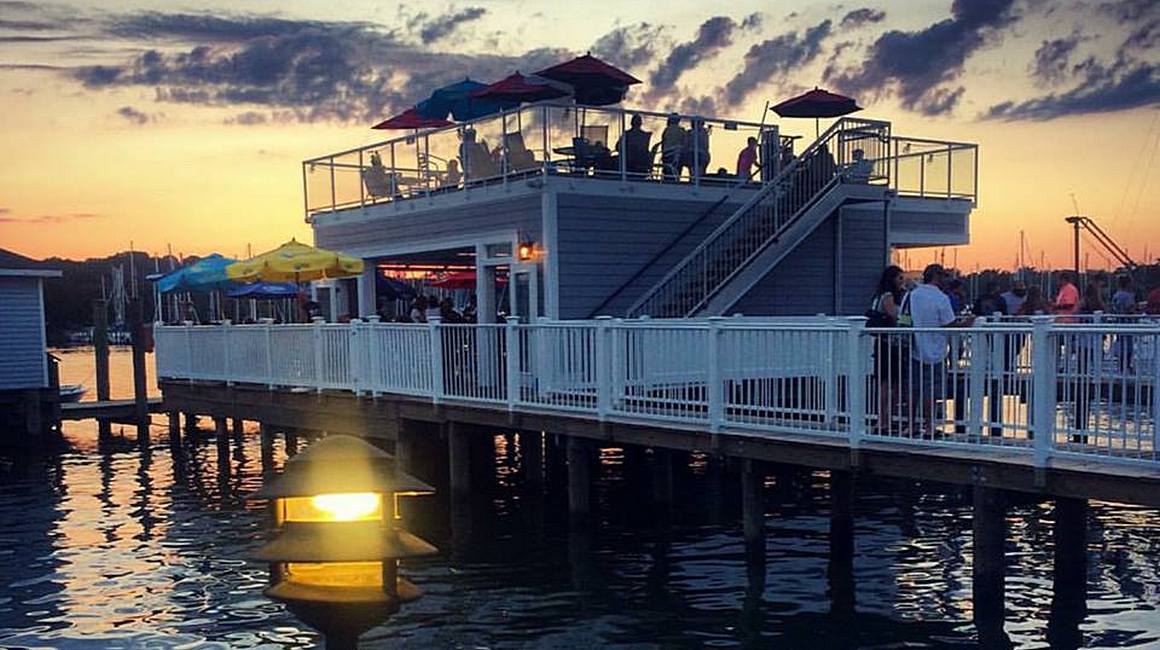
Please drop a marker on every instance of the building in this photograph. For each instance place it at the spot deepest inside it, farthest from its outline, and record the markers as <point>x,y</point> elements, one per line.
<point>28,388</point>
<point>604,231</point>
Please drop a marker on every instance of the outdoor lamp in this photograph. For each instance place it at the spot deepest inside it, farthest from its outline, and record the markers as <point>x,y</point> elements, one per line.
<point>526,251</point>
<point>335,551</point>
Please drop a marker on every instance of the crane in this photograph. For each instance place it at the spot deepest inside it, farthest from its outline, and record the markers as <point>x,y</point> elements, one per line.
<point>1080,222</point>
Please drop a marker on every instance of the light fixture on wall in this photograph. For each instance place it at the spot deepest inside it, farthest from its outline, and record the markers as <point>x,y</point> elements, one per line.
<point>526,251</point>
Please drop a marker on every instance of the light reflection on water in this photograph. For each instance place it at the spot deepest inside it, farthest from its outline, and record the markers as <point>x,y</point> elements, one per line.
<point>106,546</point>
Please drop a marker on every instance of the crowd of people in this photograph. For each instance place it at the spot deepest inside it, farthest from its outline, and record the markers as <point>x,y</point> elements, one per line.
<point>912,370</point>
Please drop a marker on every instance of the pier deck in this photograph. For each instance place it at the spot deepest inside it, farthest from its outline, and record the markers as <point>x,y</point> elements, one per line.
<point>117,410</point>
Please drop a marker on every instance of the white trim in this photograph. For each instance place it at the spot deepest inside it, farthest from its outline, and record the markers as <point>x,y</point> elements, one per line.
<point>551,253</point>
<point>43,335</point>
<point>30,273</point>
<point>430,245</point>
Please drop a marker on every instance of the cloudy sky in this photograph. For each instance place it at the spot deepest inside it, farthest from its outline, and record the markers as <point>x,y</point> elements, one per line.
<point>184,123</point>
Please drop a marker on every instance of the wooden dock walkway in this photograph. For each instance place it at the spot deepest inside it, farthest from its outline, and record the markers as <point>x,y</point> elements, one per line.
<point>116,410</point>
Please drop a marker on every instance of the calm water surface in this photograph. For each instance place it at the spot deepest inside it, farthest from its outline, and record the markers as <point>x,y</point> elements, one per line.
<point>109,546</point>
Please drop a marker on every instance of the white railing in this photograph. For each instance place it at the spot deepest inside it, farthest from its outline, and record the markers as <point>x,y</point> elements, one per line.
<point>1040,389</point>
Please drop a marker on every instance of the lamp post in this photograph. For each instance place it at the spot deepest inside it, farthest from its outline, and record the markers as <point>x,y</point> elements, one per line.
<point>334,555</point>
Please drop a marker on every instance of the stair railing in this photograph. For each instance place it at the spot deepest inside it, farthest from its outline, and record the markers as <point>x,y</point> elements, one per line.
<point>697,277</point>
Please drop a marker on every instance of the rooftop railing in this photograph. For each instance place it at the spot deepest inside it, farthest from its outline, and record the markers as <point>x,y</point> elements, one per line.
<point>1024,392</point>
<point>537,139</point>
<point>580,141</point>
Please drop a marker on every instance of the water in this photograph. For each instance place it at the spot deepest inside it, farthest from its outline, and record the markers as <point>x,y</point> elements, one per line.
<point>107,546</point>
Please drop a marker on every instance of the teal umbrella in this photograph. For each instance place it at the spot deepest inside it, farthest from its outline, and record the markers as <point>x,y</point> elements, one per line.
<point>206,274</point>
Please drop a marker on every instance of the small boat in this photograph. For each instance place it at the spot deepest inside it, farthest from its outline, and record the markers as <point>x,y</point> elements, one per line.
<point>72,392</point>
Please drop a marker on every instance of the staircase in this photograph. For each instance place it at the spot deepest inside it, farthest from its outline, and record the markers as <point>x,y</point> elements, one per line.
<point>774,221</point>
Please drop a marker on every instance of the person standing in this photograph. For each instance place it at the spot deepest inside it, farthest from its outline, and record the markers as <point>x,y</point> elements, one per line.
<point>928,306</point>
<point>747,160</point>
<point>1067,298</point>
<point>891,349</point>
<point>672,144</point>
<point>990,302</point>
<point>1014,297</point>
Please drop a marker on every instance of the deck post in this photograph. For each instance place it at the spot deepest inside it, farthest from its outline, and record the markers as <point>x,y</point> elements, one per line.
<point>190,424</point>
<point>579,478</point>
<point>841,561</point>
<point>269,335</point>
<point>174,428</point>
<point>981,343</point>
<point>603,369</point>
<point>856,386</point>
<point>987,571</point>
<point>714,386</point>
<point>291,442</point>
<point>316,337</point>
<point>437,388</point>
<point>239,428</point>
<point>1043,390</point>
<point>101,350</point>
<point>227,371</point>
<point>1069,583</point>
<point>356,352</point>
<point>512,361</point>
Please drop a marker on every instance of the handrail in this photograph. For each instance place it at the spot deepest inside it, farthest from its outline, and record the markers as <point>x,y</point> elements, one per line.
<point>673,242</point>
<point>773,187</point>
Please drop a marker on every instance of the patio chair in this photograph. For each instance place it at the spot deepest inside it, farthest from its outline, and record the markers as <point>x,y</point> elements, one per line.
<point>377,179</point>
<point>478,163</point>
<point>519,157</point>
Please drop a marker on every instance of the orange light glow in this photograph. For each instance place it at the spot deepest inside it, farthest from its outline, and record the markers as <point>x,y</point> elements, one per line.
<point>336,574</point>
<point>351,506</point>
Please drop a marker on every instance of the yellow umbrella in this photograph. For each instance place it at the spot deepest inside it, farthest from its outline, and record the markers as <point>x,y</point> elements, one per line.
<point>294,262</point>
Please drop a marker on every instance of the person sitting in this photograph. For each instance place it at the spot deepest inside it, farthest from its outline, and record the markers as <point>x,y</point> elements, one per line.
<point>376,178</point>
<point>747,160</point>
<point>447,312</point>
<point>453,176</point>
<point>519,157</point>
<point>673,140</point>
<point>860,170</point>
<point>476,160</point>
<point>634,146</point>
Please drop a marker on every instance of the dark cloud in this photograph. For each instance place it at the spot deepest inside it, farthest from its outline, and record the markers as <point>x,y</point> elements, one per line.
<point>133,115</point>
<point>1130,11</point>
<point>1053,59</point>
<point>773,57</point>
<point>213,29</point>
<point>919,65</point>
<point>629,46</point>
<point>713,35</point>
<point>441,26</point>
<point>863,16</point>
<point>248,118</point>
<point>310,70</point>
<point>24,38</point>
<point>1121,86</point>
<point>753,21</point>
<point>28,25</point>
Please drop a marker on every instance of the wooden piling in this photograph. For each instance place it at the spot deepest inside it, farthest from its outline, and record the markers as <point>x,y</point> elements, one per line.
<point>532,457</point>
<point>752,505</point>
<point>140,393</point>
<point>841,560</point>
<point>459,461</point>
<point>266,440</point>
<point>174,419</point>
<point>1069,583</point>
<point>988,567</point>
<point>663,476</point>
<point>239,428</point>
<point>101,351</point>
<point>291,441</point>
<point>579,478</point>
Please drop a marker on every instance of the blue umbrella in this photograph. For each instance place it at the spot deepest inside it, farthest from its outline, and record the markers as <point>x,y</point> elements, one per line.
<point>454,99</point>
<point>206,274</point>
<point>265,290</point>
<point>394,289</point>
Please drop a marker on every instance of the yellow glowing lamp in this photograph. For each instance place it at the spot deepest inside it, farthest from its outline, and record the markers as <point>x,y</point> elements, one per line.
<point>334,556</point>
<point>526,251</point>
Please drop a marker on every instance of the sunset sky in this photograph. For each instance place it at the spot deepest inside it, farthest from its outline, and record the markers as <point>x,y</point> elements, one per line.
<point>184,124</point>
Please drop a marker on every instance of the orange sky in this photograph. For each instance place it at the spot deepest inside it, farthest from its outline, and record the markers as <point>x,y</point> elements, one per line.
<point>81,180</point>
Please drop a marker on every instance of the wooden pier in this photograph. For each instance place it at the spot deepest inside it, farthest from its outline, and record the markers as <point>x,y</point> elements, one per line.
<point>119,411</point>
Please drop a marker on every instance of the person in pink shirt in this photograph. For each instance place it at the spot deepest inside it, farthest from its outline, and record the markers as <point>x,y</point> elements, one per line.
<point>1067,299</point>
<point>747,159</point>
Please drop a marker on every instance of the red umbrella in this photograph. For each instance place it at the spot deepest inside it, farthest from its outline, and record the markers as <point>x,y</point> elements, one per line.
<point>461,280</point>
<point>518,88</point>
<point>412,119</point>
<point>595,82</point>
<point>817,103</point>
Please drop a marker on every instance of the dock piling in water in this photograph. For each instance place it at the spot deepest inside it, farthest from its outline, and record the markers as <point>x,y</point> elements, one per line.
<point>101,351</point>
<point>988,571</point>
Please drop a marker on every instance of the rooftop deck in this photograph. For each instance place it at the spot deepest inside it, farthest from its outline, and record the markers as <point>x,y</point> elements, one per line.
<point>584,143</point>
<point>1029,397</point>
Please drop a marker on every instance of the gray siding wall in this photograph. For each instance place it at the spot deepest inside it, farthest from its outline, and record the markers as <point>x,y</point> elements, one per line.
<point>21,334</point>
<point>604,240</point>
<point>365,235</point>
<point>804,282</point>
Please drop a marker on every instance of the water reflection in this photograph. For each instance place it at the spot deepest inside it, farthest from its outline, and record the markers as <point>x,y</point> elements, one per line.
<point>146,548</point>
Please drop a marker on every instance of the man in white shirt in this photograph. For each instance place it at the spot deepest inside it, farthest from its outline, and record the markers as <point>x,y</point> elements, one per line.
<point>929,307</point>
